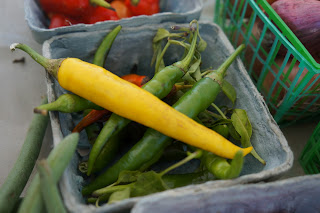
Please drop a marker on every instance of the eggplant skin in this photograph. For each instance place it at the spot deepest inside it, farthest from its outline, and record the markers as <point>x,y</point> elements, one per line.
<point>303,18</point>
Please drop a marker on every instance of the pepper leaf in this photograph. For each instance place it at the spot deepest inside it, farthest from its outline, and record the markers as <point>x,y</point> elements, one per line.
<point>148,183</point>
<point>128,176</point>
<point>243,126</point>
<point>119,195</point>
<point>161,34</point>
<point>195,66</point>
<point>233,132</point>
<point>229,91</point>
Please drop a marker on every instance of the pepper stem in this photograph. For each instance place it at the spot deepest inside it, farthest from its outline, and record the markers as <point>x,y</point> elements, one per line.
<point>102,3</point>
<point>135,2</point>
<point>51,65</point>
<point>191,156</point>
<point>219,111</point>
<point>187,60</point>
<point>223,67</point>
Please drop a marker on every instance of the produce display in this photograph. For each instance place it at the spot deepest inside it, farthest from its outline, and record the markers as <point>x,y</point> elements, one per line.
<point>71,12</point>
<point>142,130</point>
<point>170,110</point>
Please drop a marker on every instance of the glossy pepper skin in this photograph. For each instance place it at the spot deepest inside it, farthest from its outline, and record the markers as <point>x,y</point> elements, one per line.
<point>143,7</point>
<point>194,101</point>
<point>139,105</point>
<point>221,168</point>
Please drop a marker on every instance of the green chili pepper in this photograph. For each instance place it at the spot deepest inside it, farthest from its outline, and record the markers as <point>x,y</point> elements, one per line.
<point>105,46</point>
<point>58,160</point>
<point>49,189</point>
<point>67,103</point>
<point>160,85</point>
<point>18,177</point>
<point>221,168</point>
<point>107,154</point>
<point>194,101</point>
<point>99,59</point>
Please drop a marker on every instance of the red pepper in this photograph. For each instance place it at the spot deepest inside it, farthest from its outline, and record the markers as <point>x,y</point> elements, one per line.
<point>71,8</point>
<point>144,7</point>
<point>138,80</point>
<point>92,117</point>
<point>59,20</point>
<point>97,14</point>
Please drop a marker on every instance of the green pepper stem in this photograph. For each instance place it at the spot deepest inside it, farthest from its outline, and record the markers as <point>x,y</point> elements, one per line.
<point>223,67</point>
<point>51,65</point>
<point>160,57</point>
<point>193,155</point>
<point>102,3</point>
<point>83,167</point>
<point>110,189</point>
<point>184,64</point>
<point>219,111</point>
<point>213,114</point>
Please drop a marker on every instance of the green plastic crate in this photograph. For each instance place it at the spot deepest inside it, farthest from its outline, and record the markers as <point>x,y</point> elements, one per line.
<point>289,82</point>
<point>310,156</point>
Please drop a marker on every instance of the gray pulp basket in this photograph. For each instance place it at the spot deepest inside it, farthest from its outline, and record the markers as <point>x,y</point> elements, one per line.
<point>134,46</point>
<point>179,11</point>
<point>298,195</point>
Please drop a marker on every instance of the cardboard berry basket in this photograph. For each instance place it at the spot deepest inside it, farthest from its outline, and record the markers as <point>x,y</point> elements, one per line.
<point>133,47</point>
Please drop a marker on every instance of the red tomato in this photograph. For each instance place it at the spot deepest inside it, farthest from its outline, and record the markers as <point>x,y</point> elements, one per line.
<point>121,9</point>
<point>58,20</point>
<point>144,7</point>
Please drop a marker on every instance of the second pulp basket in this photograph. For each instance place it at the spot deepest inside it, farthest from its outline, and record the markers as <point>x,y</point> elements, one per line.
<point>280,66</point>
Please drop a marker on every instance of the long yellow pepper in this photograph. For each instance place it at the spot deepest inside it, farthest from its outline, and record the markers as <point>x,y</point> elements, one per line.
<point>132,102</point>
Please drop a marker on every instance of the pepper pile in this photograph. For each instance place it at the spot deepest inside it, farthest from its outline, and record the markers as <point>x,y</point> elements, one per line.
<point>169,110</point>
<point>70,12</point>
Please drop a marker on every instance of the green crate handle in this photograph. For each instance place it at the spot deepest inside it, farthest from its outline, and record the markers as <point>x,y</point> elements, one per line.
<point>288,33</point>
